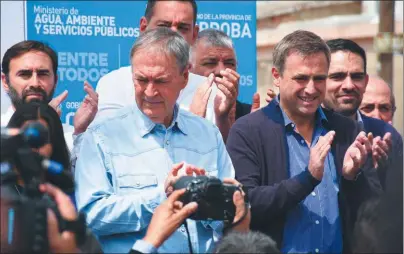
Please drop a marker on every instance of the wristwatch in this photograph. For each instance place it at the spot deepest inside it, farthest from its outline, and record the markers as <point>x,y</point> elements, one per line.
<point>79,227</point>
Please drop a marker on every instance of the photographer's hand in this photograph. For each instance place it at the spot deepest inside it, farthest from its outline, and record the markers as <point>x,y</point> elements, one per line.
<point>167,218</point>
<point>174,175</point>
<point>238,200</point>
<point>64,242</point>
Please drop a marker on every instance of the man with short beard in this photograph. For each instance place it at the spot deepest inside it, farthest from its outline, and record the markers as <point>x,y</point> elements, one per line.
<point>346,84</point>
<point>29,73</point>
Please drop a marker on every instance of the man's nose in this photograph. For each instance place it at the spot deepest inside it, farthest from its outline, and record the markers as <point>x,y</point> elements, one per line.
<point>219,67</point>
<point>348,83</point>
<point>34,80</point>
<point>310,88</point>
<point>376,113</point>
<point>150,91</point>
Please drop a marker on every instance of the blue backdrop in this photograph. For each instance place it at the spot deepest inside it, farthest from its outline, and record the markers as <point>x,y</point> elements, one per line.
<point>93,38</point>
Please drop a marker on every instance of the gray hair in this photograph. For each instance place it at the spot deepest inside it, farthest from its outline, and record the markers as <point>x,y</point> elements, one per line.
<point>166,41</point>
<point>213,38</point>
<point>304,42</point>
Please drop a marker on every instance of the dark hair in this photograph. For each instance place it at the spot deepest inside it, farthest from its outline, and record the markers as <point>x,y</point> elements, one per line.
<point>35,111</point>
<point>24,47</point>
<point>151,3</point>
<point>347,45</point>
<point>303,42</point>
<point>250,242</point>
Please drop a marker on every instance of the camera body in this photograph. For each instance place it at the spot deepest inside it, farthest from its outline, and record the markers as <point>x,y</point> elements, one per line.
<point>24,210</point>
<point>214,198</point>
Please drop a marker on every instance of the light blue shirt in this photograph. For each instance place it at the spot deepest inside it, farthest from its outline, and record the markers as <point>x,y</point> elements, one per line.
<point>314,225</point>
<point>123,164</point>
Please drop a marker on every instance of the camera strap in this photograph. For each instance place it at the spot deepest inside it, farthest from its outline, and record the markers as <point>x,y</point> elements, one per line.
<point>188,236</point>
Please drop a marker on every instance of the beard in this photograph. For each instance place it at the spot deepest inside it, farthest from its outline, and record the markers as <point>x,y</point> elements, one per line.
<point>18,100</point>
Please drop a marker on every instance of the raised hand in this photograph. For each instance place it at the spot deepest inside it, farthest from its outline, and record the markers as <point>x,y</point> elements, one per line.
<point>55,102</point>
<point>227,92</point>
<point>255,102</point>
<point>356,155</point>
<point>380,148</point>
<point>270,95</point>
<point>200,100</point>
<point>176,173</point>
<point>87,111</point>
<point>318,153</point>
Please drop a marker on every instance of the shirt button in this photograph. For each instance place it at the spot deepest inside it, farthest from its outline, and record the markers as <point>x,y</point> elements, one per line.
<point>168,142</point>
<point>302,141</point>
<point>316,250</point>
<point>293,126</point>
<point>317,222</point>
<point>313,194</point>
<point>137,184</point>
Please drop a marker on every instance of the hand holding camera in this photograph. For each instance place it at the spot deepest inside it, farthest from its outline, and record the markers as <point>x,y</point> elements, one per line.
<point>60,242</point>
<point>179,170</point>
<point>171,213</point>
<point>216,200</point>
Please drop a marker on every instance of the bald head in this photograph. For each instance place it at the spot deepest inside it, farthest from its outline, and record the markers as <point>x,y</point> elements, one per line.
<point>378,100</point>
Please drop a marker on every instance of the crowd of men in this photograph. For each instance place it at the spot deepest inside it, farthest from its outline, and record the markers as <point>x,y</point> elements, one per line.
<point>309,161</point>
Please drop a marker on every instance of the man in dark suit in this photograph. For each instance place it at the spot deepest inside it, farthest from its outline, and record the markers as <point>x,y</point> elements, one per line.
<point>302,165</point>
<point>346,84</point>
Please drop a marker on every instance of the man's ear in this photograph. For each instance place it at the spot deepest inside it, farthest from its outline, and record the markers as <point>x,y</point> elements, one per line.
<point>143,24</point>
<point>195,33</point>
<point>276,76</point>
<point>4,82</point>
<point>366,80</point>
<point>186,75</point>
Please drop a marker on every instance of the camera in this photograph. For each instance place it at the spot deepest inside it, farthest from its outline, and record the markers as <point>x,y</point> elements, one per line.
<point>24,209</point>
<point>214,198</point>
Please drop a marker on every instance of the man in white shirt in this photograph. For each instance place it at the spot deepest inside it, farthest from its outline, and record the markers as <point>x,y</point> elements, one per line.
<point>116,89</point>
<point>29,72</point>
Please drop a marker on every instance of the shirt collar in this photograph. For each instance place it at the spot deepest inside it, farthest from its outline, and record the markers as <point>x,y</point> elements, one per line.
<point>145,125</point>
<point>321,118</point>
<point>359,118</point>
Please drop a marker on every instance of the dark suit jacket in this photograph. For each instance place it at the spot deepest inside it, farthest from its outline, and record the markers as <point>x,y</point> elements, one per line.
<point>380,128</point>
<point>258,149</point>
<point>242,109</point>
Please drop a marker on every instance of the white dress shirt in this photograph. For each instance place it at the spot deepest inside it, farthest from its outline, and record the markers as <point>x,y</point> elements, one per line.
<point>116,90</point>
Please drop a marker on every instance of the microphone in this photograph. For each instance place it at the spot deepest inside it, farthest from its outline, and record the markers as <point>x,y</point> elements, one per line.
<point>34,134</point>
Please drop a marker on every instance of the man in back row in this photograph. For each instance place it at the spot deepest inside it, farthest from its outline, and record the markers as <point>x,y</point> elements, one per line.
<point>378,100</point>
<point>346,84</point>
<point>214,53</point>
<point>29,72</point>
<point>116,88</point>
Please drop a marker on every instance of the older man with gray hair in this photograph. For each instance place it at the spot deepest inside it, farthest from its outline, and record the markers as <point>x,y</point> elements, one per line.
<point>213,54</point>
<point>378,100</point>
<point>129,161</point>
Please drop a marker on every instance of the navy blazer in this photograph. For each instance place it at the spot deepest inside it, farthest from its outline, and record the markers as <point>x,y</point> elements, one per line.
<point>258,148</point>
